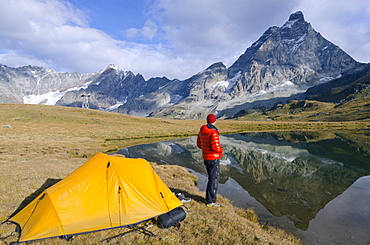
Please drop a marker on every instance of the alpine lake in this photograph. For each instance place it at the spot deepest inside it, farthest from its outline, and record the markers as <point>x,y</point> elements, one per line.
<point>313,184</point>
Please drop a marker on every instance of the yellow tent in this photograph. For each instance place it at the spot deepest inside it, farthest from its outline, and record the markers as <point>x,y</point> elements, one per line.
<point>105,192</point>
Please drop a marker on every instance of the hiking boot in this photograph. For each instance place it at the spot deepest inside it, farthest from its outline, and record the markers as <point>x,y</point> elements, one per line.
<point>182,198</point>
<point>213,204</point>
<point>185,200</point>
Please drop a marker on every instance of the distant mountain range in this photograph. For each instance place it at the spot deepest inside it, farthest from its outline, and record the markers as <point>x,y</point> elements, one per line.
<point>289,62</point>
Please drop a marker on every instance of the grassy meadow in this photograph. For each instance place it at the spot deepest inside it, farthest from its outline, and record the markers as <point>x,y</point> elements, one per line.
<point>43,144</point>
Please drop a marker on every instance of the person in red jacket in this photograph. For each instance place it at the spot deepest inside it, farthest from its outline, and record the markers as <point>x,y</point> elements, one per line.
<point>209,141</point>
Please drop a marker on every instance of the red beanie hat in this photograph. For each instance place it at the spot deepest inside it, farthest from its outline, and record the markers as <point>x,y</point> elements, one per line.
<point>211,118</point>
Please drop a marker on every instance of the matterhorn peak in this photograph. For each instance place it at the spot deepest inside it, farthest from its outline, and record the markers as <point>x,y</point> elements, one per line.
<point>296,16</point>
<point>296,21</point>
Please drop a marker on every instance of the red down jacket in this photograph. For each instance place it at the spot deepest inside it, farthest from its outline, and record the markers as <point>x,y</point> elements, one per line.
<point>209,142</point>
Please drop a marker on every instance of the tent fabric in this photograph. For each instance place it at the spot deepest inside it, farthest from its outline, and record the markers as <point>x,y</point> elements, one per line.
<point>103,193</point>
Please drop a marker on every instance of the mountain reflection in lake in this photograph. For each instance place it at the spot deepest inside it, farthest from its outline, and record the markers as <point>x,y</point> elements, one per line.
<point>290,175</point>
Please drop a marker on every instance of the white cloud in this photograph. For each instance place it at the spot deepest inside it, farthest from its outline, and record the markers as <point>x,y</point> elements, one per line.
<point>147,32</point>
<point>13,59</point>
<point>132,33</point>
<point>178,38</point>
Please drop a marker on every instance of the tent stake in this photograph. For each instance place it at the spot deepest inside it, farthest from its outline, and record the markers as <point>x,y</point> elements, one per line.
<point>142,229</point>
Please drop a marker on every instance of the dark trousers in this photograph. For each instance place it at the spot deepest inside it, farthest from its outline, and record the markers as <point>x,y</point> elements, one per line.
<point>213,171</point>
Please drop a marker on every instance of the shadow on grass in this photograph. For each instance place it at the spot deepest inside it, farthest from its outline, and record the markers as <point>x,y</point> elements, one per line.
<point>188,195</point>
<point>30,198</point>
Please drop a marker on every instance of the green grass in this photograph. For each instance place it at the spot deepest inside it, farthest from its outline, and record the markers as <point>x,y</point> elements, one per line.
<point>49,142</point>
<point>356,109</point>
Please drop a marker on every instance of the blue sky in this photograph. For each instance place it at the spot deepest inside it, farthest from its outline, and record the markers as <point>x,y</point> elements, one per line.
<point>113,16</point>
<point>172,38</point>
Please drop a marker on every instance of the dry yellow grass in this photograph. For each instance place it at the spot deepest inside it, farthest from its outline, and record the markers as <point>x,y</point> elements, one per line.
<point>41,144</point>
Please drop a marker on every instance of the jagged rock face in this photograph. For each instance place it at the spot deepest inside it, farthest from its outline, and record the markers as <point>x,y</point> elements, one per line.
<point>150,98</point>
<point>200,94</point>
<point>206,85</point>
<point>343,88</point>
<point>295,52</point>
<point>281,65</point>
<point>179,95</point>
<point>112,86</point>
<point>31,80</point>
<point>285,60</point>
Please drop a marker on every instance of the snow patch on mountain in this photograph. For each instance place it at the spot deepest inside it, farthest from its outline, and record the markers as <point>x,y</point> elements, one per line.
<point>327,79</point>
<point>221,84</point>
<point>284,86</point>
<point>229,83</point>
<point>50,98</point>
<point>176,98</point>
<point>289,24</point>
<point>115,106</point>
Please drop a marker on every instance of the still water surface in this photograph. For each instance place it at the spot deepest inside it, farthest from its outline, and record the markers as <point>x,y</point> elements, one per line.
<point>316,185</point>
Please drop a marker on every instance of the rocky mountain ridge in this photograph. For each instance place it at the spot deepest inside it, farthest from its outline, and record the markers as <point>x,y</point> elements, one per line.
<point>282,64</point>
<point>19,84</point>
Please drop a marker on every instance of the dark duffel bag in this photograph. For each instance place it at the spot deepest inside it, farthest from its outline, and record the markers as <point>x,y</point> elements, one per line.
<point>171,218</point>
